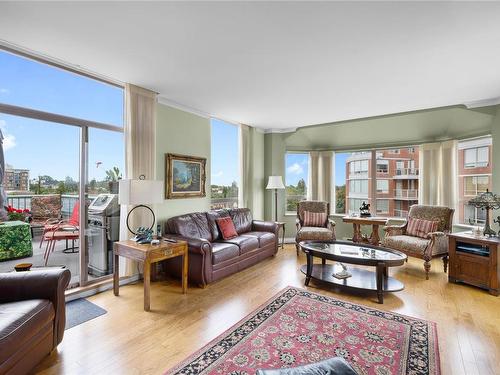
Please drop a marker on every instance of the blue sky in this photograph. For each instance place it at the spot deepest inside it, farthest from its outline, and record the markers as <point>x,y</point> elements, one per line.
<point>53,149</point>
<point>224,159</point>
<point>297,166</point>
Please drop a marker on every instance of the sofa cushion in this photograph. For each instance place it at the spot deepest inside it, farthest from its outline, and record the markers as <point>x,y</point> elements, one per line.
<point>224,251</point>
<point>242,219</point>
<point>245,243</point>
<point>194,225</point>
<point>20,321</point>
<point>212,216</point>
<point>406,244</point>
<point>314,234</point>
<point>265,238</point>
<point>226,227</point>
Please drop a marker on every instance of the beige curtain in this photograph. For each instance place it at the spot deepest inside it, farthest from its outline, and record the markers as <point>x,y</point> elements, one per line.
<point>140,128</point>
<point>320,176</point>
<point>438,174</point>
<point>245,167</point>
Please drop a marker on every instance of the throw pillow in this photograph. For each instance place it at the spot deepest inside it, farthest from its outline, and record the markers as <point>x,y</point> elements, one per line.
<point>226,226</point>
<point>314,219</point>
<point>421,227</point>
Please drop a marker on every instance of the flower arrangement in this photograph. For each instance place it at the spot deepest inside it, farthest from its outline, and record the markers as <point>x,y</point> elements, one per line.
<point>17,214</point>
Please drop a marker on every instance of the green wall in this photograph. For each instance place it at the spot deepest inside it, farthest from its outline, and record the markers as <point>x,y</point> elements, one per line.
<point>183,133</point>
<point>393,130</point>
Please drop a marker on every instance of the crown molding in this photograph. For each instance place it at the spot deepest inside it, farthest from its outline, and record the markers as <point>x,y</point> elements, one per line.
<point>482,103</point>
<point>182,107</point>
<point>279,131</point>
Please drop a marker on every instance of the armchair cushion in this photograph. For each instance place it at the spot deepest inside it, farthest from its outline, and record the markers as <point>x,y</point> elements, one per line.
<point>407,244</point>
<point>314,234</point>
<point>314,219</point>
<point>421,227</point>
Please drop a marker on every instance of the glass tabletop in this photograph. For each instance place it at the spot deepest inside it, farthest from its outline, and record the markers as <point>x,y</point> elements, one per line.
<point>354,251</point>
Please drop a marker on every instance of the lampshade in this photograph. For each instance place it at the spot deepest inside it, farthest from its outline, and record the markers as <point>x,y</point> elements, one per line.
<point>133,192</point>
<point>486,200</point>
<point>275,182</point>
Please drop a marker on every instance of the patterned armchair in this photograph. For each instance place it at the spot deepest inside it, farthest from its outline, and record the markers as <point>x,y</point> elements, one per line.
<point>323,232</point>
<point>433,244</point>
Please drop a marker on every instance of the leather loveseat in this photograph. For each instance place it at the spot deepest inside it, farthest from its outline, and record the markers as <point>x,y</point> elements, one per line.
<point>210,256</point>
<point>32,317</point>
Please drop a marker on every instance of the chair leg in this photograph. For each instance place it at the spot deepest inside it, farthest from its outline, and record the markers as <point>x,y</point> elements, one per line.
<point>427,267</point>
<point>297,247</point>
<point>445,263</point>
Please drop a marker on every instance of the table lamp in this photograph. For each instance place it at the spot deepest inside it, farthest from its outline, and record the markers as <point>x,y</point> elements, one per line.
<point>486,201</point>
<point>275,182</point>
<point>140,193</point>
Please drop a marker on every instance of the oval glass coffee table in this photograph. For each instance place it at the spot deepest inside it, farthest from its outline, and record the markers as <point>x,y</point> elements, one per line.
<point>350,253</point>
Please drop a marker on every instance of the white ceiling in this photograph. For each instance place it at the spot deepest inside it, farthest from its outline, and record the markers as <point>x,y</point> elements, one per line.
<point>276,65</point>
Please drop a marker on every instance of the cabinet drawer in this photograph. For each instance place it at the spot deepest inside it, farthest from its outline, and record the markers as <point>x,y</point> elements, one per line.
<point>164,253</point>
<point>472,269</point>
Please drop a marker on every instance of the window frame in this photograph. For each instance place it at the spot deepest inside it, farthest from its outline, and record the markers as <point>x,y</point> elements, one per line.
<point>306,180</point>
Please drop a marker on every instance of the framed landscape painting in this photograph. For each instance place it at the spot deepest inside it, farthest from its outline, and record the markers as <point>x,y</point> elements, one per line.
<point>184,176</point>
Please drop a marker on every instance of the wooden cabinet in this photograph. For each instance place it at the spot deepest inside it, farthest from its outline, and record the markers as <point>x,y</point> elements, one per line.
<point>474,261</point>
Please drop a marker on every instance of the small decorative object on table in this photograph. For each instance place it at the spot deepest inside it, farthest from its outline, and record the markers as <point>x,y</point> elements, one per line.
<point>344,274</point>
<point>364,210</point>
<point>143,235</point>
<point>20,267</point>
<point>486,201</point>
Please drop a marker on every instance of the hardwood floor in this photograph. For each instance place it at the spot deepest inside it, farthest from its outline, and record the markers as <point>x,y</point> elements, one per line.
<point>128,340</point>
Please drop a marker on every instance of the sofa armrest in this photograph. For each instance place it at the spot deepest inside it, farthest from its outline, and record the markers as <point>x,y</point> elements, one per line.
<point>394,230</point>
<point>48,284</point>
<point>264,226</point>
<point>195,245</point>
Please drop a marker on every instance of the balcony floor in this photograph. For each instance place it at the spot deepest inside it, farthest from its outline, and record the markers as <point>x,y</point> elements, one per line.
<point>56,258</point>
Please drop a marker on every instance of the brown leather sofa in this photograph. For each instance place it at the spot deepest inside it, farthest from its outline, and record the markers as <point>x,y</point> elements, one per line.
<point>32,317</point>
<point>210,256</point>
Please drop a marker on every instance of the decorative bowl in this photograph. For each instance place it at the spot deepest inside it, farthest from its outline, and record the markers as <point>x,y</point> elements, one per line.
<point>23,267</point>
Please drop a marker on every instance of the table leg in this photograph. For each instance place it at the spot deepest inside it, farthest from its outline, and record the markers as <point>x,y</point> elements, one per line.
<point>374,237</point>
<point>323,261</point>
<point>147,285</point>
<point>356,232</point>
<point>380,282</point>
<point>309,268</point>
<point>185,272</point>
<point>116,276</point>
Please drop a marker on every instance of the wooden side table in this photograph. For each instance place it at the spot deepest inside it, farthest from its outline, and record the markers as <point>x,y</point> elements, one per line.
<point>147,255</point>
<point>357,222</point>
<point>473,261</point>
<point>281,227</point>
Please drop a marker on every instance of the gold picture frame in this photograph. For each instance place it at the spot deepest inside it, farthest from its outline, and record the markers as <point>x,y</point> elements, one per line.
<point>185,176</point>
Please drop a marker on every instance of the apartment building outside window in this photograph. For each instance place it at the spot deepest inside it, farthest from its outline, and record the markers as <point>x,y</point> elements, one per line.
<point>474,177</point>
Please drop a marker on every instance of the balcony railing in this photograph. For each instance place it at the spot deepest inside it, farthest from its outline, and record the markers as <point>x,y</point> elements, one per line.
<point>406,173</point>
<point>218,203</point>
<point>406,193</point>
<point>68,202</point>
<point>400,213</point>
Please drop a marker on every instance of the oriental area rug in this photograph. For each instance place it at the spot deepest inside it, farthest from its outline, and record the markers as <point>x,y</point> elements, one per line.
<point>298,327</point>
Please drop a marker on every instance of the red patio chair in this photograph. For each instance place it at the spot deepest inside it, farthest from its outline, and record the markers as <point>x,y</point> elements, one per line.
<point>63,232</point>
<point>74,221</point>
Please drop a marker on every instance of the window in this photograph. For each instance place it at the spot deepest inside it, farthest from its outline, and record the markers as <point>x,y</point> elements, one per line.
<point>224,165</point>
<point>474,185</point>
<point>355,204</point>
<point>358,187</point>
<point>382,166</point>
<point>50,156</point>
<point>358,167</point>
<point>297,169</point>
<point>473,153</point>
<point>383,186</point>
<point>476,157</point>
<point>340,182</point>
<point>394,151</point>
<point>382,206</point>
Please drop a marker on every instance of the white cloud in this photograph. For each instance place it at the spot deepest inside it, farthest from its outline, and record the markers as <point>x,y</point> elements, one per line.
<point>218,174</point>
<point>9,140</point>
<point>295,168</point>
<point>4,91</point>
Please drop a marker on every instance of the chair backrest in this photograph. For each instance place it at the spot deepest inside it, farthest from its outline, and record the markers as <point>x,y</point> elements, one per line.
<point>46,206</point>
<point>444,215</point>
<point>75,215</point>
<point>312,206</point>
